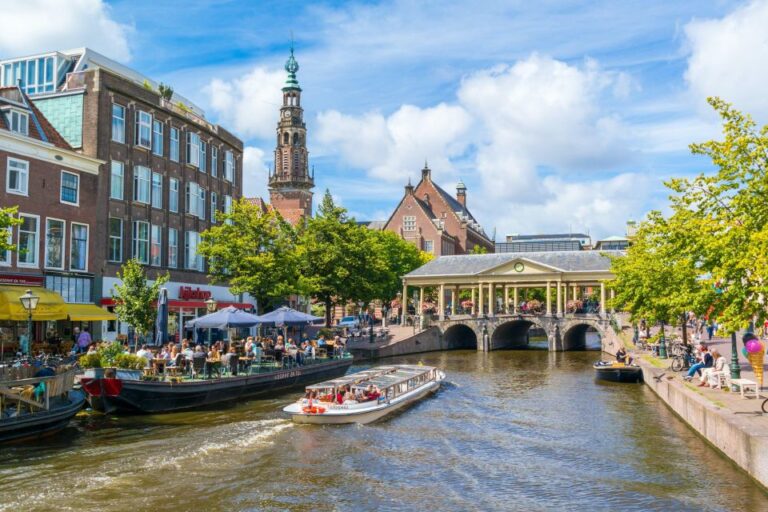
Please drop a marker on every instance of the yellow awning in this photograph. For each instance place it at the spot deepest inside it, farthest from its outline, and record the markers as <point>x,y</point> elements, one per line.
<point>50,306</point>
<point>88,313</point>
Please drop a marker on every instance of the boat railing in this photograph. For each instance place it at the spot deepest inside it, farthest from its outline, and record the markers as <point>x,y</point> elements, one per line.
<point>35,392</point>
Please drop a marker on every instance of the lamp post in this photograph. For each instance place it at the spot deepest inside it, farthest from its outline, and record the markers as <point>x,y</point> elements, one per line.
<point>735,366</point>
<point>29,302</point>
<point>662,344</point>
<point>210,306</point>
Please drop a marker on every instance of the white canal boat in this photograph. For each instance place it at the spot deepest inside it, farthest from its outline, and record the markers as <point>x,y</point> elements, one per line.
<point>394,387</point>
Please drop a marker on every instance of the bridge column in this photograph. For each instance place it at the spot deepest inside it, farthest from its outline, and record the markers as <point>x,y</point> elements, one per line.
<point>514,300</point>
<point>549,299</point>
<point>454,298</point>
<point>491,299</point>
<point>441,303</point>
<point>506,299</point>
<point>474,303</point>
<point>559,298</point>
<point>480,299</point>
<point>419,310</point>
<point>613,296</point>
<point>575,292</point>
<point>602,299</point>
<point>403,304</point>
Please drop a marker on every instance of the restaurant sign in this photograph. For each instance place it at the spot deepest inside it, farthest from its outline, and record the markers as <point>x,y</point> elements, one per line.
<point>187,293</point>
<point>21,280</point>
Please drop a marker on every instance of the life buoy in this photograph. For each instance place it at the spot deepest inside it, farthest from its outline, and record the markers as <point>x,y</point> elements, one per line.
<point>314,410</point>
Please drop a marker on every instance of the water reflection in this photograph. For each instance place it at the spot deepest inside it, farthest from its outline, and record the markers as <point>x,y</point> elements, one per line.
<point>510,430</point>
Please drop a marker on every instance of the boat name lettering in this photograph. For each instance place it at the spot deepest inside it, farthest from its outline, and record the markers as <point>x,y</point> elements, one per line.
<point>287,375</point>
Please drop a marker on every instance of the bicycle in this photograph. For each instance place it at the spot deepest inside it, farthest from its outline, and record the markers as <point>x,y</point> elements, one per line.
<point>682,362</point>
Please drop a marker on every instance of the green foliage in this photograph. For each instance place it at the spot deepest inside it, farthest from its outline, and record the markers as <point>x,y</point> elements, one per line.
<point>109,354</point>
<point>134,298</point>
<point>8,219</point>
<point>255,252</point>
<point>478,249</point>
<point>183,106</point>
<point>130,361</point>
<point>89,361</point>
<point>147,85</point>
<point>166,91</point>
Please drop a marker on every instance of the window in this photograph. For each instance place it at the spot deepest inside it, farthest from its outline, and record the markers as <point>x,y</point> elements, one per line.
<point>174,144</point>
<point>117,180</point>
<point>213,207</point>
<point>70,188</point>
<point>193,149</point>
<point>78,247</point>
<point>156,247</point>
<point>193,260</point>
<point>118,123</point>
<point>157,190</point>
<point>429,246</point>
<point>17,177</point>
<point>173,195</point>
<point>409,223</point>
<point>214,161</point>
<point>141,241</point>
<point>54,243</point>
<point>173,247</point>
<point>157,137</point>
<point>143,129</point>
<point>74,290</point>
<point>34,75</point>
<point>203,159</point>
<point>141,177</point>
<point>228,207</point>
<point>5,256</point>
<point>115,252</point>
<point>19,122</point>
<point>229,166</point>
<point>28,245</point>
<point>195,197</point>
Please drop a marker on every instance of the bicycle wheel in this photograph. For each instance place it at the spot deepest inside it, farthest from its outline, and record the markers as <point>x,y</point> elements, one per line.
<point>765,406</point>
<point>677,364</point>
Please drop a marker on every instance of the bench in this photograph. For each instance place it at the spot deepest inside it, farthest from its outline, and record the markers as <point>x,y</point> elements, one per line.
<point>745,385</point>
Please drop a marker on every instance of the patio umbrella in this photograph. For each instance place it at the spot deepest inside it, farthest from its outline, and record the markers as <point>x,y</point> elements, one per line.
<point>224,319</point>
<point>285,316</point>
<point>161,322</point>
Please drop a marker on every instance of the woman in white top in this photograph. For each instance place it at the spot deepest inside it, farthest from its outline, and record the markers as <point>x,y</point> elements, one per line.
<point>712,375</point>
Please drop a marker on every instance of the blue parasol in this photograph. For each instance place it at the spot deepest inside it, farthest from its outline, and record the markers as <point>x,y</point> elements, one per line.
<point>161,322</point>
<point>286,316</point>
<point>224,319</point>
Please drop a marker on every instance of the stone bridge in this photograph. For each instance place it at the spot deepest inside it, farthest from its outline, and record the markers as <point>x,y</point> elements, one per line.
<point>565,332</point>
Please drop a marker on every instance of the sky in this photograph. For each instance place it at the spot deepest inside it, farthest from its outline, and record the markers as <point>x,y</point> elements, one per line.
<point>558,115</point>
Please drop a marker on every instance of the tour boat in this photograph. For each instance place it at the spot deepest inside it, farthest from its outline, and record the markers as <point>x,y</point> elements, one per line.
<point>618,372</point>
<point>399,386</point>
<point>40,406</point>
<point>141,395</point>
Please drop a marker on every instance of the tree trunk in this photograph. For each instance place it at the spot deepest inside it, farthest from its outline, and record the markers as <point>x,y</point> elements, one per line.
<point>328,306</point>
<point>685,330</point>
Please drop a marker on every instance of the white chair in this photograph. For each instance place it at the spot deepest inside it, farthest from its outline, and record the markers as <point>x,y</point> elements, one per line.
<point>720,379</point>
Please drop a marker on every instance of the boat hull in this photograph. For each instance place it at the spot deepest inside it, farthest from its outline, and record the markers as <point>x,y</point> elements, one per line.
<point>28,427</point>
<point>626,374</point>
<point>363,416</point>
<point>115,395</point>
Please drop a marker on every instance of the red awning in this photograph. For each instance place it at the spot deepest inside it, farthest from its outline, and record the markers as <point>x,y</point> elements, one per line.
<point>172,303</point>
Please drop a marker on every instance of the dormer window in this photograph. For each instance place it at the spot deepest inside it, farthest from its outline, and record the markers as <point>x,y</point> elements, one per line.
<point>19,122</point>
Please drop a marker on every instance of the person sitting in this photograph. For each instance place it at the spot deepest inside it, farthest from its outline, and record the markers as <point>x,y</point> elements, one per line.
<point>165,353</point>
<point>309,350</point>
<point>214,354</point>
<point>705,361</point>
<point>340,396</point>
<point>712,375</point>
<point>622,357</point>
<point>248,344</point>
<point>349,396</point>
<point>321,341</point>
<point>92,349</point>
<point>146,354</point>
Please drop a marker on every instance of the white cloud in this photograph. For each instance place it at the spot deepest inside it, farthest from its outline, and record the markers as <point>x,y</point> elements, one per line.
<point>392,148</point>
<point>728,58</point>
<point>35,26</point>
<point>248,105</point>
<point>255,173</point>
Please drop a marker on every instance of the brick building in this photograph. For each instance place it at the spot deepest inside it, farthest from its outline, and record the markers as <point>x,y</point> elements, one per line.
<point>167,171</point>
<point>435,221</point>
<point>55,255</point>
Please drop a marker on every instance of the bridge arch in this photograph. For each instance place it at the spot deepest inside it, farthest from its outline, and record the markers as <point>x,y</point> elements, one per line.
<point>460,336</point>
<point>575,336</point>
<point>512,334</point>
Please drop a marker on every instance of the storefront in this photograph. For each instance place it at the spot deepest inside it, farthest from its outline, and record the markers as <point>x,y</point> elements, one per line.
<point>53,319</point>
<point>185,302</point>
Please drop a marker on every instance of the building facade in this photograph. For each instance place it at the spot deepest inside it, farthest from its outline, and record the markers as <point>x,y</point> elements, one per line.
<point>55,245</point>
<point>168,172</point>
<point>290,183</point>
<point>550,242</point>
<point>436,222</point>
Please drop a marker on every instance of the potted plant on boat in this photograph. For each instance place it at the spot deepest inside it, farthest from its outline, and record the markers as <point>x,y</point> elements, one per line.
<point>112,361</point>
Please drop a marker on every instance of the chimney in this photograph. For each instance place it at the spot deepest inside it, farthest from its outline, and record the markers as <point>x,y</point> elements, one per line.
<point>426,172</point>
<point>461,193</point>
<point>409,188</point>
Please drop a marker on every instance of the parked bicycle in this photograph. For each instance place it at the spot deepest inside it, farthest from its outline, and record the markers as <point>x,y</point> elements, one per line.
<point>682,361</point>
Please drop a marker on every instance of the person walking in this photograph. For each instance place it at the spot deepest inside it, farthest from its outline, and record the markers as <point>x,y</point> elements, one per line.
<point>84,340</point>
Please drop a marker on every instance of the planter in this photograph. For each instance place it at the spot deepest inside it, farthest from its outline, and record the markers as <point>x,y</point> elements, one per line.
<point>124,374</point>
<point>94,373</point>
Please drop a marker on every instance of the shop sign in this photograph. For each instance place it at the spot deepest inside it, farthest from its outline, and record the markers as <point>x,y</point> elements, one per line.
<point>187,293</point>
<point>21,280</point>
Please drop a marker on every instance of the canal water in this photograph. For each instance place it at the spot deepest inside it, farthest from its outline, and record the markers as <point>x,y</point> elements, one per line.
<point>516,430</point>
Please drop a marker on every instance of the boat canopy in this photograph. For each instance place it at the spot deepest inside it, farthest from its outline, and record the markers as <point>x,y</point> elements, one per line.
<point>364,376</point>
<point>401,376</point>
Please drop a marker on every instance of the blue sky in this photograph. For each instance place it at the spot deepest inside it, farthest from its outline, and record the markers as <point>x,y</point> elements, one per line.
<point>557,115</point>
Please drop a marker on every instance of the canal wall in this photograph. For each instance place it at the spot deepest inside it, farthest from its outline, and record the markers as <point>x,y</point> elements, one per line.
<point>741,438</point>
<point>429,340</point>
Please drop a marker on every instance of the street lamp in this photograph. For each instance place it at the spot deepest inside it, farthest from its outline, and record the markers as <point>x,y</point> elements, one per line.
<point>29,302</point>
<point>662,344</point>
<point>735,366</point>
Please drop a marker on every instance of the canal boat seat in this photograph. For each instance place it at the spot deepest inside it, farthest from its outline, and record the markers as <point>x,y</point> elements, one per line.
<point>198,366</point>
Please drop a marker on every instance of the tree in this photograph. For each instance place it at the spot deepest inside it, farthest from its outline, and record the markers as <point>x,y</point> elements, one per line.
<point>135,298</point>
<point>398,258</point>
<point>478,249</point>
<point>254,252</point>
<point>8,219</point>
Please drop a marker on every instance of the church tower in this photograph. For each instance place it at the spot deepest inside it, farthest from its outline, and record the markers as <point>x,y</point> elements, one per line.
<point>290,183</point>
